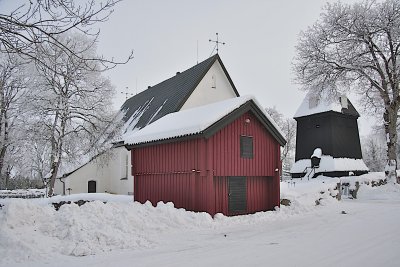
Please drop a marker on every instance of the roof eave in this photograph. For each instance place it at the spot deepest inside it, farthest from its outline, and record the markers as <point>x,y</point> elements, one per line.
<point>221,123</point>
<point>328,112</point>
<point>228,76</point>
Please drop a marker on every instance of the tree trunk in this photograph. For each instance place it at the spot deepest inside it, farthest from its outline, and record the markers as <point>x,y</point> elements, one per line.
<point>54,170</point>
<point>53,157</point>
<point>4,140</point>
<point>3,143</point>
<point>390,118</point>
<point>57,160</point>
<point>7,176</point>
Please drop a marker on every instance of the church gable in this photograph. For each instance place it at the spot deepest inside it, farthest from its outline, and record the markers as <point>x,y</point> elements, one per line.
<point>172,94</point>
<point>215,86</point>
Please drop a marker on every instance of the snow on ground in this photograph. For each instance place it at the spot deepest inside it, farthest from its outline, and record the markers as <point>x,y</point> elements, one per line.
<point>330,164</point>
<point>362,232</point>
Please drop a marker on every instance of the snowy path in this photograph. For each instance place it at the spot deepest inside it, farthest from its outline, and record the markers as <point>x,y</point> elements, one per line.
<point>368,235</point>
<point>314,240</point>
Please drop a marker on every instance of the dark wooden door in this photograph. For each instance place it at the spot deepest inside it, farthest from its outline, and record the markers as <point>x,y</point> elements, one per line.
<point>237,195</point>
<point>92,187</point>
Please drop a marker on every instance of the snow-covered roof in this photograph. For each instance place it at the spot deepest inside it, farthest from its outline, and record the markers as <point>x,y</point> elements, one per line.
<point>313,104</point>
<point>166,97</point>
<point>330,164</point>
<point>193,121</point>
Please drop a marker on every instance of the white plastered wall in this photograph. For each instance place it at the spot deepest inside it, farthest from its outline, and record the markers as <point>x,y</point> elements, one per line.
<point>111,171</point>
<point>214,87</point>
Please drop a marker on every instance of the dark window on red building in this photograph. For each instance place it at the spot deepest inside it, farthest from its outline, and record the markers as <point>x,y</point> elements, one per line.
<point>246,147</point>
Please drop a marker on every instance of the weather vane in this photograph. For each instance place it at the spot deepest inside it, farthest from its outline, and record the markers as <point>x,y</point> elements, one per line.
<point>126,93</point>
<point>217,42</point>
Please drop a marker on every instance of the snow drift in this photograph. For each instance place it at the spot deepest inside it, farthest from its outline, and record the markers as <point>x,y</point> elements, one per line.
<point>32,230</point>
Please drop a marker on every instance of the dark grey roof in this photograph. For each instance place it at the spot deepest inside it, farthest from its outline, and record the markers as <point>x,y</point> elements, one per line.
<point>167,96</point>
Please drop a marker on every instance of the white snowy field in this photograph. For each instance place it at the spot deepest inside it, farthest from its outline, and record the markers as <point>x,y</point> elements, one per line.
<point>361,232</point>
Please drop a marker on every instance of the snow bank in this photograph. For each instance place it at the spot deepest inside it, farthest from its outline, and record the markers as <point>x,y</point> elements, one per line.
<point>34,230</point>
<point>371,178</point>
<point>330,164</point>
<point>303,194</point>
<point>30,230</point>
<point>387,192</point>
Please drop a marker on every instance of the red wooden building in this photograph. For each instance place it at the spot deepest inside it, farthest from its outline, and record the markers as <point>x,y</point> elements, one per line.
<point>219,158</point>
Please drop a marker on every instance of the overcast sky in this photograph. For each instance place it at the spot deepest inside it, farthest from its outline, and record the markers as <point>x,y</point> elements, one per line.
<point>170,36</point>
<point>260,39</point>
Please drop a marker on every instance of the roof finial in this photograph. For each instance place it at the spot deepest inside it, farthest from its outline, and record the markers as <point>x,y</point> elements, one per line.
<point>217,42</point>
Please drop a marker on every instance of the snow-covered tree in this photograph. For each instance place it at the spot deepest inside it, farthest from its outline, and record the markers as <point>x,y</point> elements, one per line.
<point>288,126</point>
<point>357,47</point>
<point>373,149</point>
<point>14,78</point>
<point>36,32</point>
<point>42,22</point>
<point>73,102</point>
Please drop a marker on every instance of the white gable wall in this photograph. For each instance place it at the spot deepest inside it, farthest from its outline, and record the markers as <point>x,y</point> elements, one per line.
<point>214,87</point>
<point>110,171</point>
<point>121,179</point>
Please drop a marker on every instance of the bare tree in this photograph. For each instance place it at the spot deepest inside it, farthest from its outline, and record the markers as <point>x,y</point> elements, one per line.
<point>356,47</point>
<point>42,22</point>
<point>373,149</point>
<point>288,126</point>
<point>13,84</point>
<point>73,101</point>
<point>37,31</point>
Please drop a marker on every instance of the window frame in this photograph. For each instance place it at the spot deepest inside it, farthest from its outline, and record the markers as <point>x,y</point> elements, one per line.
<point>246,146</point>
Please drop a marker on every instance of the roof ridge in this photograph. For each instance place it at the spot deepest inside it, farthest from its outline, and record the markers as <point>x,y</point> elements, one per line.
<point>187,70</point>
<point>212,59</point>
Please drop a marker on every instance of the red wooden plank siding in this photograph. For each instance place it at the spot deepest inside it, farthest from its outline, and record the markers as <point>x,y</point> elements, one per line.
<point>261,194</point>
<point>221,195</point>
<point>165,173</point>
<point>174,157</point>
<point>193,173</point>
<point>167,188</point>
<point>226,155</point>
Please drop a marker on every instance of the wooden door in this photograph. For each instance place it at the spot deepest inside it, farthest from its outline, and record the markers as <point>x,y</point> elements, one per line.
<point>237,195</point>
<point>92,187</point>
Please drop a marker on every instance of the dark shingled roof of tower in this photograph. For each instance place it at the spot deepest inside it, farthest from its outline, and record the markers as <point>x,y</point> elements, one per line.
<point>167,96</point>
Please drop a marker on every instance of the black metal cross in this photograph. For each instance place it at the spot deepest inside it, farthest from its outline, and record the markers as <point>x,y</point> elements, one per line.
<point>217,42</point>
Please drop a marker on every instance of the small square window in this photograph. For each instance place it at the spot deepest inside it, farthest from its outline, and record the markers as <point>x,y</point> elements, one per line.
<point>246,147</point>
